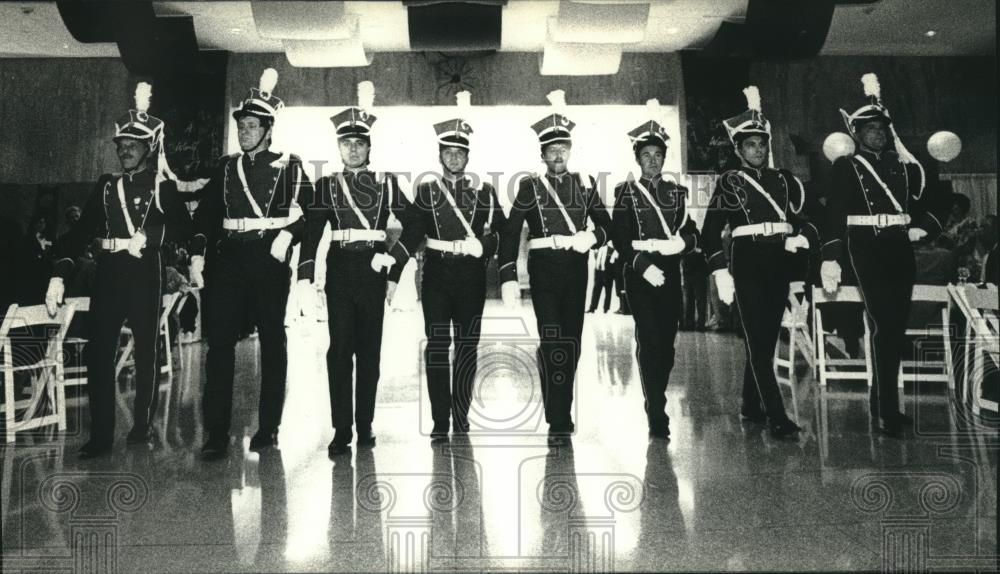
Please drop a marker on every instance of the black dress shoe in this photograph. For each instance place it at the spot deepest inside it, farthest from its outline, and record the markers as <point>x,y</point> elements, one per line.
<point>439,433</point>
<point>661,432</point>
<point>783,428</point>
<point>887,427</point>
<point>752,417</point>
<point>336,448</point>
<point>263,439</point>
<point>216,447</point>
<point>94,449</point>
<point>139,435</point>
<point>366,438</point>
<point>341,443</point>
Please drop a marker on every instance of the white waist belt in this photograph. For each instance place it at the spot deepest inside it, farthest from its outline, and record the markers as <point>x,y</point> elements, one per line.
<point>445,246</point>
<point>766,228</point>
<point>353,235</point>
<point>551,242</point>
<point>116,244</point>
<point>880,220</point>
<point>663,246</point>
<point>254,223</point>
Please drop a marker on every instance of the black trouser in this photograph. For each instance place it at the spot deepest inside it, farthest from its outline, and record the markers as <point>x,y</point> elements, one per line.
<point>559,293</point>
<point>453,295</point>
<point>760,272</point>
<point>603,281</point>
<point>355,299</point>
<point>656,311</point>
<point>695,296</point>
<point>885,269</point>
<point>126,289</point>
<point>245,281</point>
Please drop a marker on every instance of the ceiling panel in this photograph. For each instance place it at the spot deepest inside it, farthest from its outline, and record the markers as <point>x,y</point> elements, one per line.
<point>889,27</point>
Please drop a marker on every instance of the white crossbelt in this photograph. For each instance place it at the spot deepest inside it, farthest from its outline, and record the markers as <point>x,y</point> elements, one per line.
<point>551,242</point>
<point>115,244</point>
<point>766,228</point>
<point>446,246</point>
<point>880,220</point>
<point>353,235</point>
<point>254,223</point>
<point>664,246</point>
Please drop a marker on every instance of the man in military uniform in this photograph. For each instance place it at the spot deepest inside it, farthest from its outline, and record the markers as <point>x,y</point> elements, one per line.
<point>761,205</point>
<point>648,218</point>
<point>128,216</point>
<point>460,217</point>
<point>556,206</point>
<point>361,272</point>
<point>875,212</point>
<point>249,219</point>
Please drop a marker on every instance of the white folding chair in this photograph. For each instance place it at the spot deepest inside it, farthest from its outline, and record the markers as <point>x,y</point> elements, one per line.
<point>939,369</point>
<point>796,323</point>
<point>838,369</point>
<point>76,374</point>
<point>980,307</point>
<point>45,373</point>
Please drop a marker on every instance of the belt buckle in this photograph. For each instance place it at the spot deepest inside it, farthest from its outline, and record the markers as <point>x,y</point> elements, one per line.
<point>768,228</point>
<point>562,242</point>
<point>347,236</point>
<point>455,247</point>
<point>241,224</point>
<point>882,220</point>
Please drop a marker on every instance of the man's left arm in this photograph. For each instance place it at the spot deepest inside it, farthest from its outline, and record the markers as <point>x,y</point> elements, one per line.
<point>176,225</point>
<point>930,211</point>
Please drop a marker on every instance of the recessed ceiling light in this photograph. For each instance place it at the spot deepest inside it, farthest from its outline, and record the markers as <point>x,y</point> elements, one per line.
<point>672,30</point>
<point>66,46</point>
<point>236,30</point>
<point>930,33</point>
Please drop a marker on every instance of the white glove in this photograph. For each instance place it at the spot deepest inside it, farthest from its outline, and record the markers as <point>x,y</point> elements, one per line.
<point>382,261</point>
<point>54,295</point>
<point>673,246</point>
<point>510,291</point>
<point>916,234</point>
<point>306,298</point>
<point>829,272</point>
<point>472,246</point>
<point>614,257</point>
<point>390,291</point>
<point>136,244</point>
<point>197,271</point>
<point>280,245</point>
<point>796,242</point>
<point>724,283</point>
<point>654,275</point>
<point>583,241</point>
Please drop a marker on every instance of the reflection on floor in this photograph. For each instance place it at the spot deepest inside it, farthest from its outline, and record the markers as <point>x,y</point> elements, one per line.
<point>719,496</point>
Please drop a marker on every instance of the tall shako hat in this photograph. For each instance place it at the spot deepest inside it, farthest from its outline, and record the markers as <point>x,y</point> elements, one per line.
<point>261,102</point>
<point>455,132</point>
<point>650,132</point>
<point>555,127</point>
<point>139,125</point>
<point>874,109</point>
<point>357,121</point>
<point>750,123</point>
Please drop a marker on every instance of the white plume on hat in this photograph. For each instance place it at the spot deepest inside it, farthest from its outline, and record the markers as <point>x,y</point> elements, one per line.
<point>463,100</point>
<point>366,95</point>
<point>871,85</point>
<point>654,110</point>
<point>268,79</point>
<point>752,95</point>
<point>557,98</point>
<point>143,94</point>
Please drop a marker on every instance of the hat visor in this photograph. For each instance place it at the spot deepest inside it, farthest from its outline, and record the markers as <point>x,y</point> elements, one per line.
<point>133,135</point>
<point>871,116</point>
<point>650,140</point>
<point>252,113</point>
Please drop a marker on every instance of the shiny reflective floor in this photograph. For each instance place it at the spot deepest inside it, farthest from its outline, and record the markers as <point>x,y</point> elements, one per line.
<point>720,495</point>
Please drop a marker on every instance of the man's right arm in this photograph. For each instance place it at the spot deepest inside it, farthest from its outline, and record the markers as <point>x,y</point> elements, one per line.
<point>510,236</point>
<point>75,242</point>
<point>210,211</point>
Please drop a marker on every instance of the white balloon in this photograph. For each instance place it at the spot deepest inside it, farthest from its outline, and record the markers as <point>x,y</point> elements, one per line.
<point>944,146</point>
<point>838,144</point>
